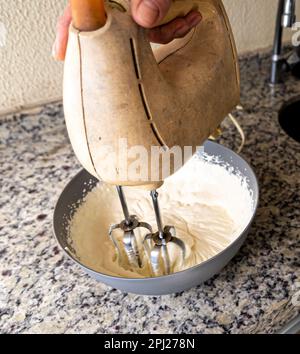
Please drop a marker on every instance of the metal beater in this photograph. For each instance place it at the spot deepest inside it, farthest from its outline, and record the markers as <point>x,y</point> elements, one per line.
<point>129,241</point>
<point>155,244</point>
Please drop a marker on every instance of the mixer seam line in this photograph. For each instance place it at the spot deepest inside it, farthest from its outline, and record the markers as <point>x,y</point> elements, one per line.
<point>82,105</point>
<point>144,101</point>
<point>135,59</point>
<point>233,45</point>
<point>158,136</point>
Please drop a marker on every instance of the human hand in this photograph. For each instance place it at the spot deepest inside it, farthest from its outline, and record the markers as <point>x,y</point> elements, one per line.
<point>147,13</point>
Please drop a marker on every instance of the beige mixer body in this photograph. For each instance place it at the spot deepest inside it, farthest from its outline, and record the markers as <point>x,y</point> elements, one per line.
<point>122,98</point>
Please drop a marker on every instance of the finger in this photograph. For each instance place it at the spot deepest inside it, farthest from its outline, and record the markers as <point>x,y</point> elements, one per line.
<point>177,28</point>
<point>148,13</point>
<point>62,35</point>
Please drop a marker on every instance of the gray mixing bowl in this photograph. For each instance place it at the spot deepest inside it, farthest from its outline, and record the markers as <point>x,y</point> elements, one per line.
<point>177,282</point>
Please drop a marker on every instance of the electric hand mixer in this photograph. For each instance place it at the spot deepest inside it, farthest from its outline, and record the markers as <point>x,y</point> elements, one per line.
<point>116,87</point>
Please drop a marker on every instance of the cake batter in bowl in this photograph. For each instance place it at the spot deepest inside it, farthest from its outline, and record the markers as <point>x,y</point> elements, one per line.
<point>211,202</point>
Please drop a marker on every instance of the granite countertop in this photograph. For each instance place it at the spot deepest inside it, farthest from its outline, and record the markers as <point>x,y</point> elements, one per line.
<point>41,291</point>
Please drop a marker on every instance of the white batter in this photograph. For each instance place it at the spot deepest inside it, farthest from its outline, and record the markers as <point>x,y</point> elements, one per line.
<point>207,204</point>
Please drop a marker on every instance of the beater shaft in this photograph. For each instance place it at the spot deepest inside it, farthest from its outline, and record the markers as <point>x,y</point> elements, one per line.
<point>154,196</point>
<point>124,204</point>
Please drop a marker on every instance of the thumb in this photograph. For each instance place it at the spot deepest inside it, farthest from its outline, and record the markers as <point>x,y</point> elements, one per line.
<point>148,13</point>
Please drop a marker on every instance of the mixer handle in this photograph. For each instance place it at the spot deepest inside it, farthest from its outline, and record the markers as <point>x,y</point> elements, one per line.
<point>180,8</point>
<point>89,15</point>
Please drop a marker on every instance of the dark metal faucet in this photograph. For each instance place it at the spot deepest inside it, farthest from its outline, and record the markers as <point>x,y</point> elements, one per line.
<point>289,13</point>
<point>286,17</point>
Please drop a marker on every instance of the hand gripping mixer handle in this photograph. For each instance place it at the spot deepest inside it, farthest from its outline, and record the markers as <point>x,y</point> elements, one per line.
<point>178,85</point>
<point>89,15</point>
<point>179,92</point>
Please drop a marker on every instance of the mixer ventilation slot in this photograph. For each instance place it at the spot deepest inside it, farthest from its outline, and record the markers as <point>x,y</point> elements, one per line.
<point>142,93</point>
<point>135,59</point>
<point>147,112</point>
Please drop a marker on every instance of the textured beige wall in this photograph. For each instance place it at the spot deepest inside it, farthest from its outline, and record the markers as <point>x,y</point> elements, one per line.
<point>27,72</point>
<point>29,75</point>
<point>253,23</point>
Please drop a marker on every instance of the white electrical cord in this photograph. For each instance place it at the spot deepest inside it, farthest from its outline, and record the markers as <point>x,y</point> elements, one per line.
<point>239,129</point>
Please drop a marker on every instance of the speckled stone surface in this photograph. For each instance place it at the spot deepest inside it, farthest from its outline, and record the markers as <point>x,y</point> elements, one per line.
<point>41,291</point>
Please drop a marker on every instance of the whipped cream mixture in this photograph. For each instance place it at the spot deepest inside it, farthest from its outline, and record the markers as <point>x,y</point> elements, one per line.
<point>208,205</point>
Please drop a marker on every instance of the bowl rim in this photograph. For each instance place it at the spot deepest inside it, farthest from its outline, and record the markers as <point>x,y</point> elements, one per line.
<point>170,276</point>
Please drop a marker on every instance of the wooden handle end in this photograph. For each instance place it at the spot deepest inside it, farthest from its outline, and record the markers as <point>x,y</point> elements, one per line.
<point>88,15</point>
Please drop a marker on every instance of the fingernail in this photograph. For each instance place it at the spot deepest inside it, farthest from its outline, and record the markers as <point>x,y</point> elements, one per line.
<point>195,20</point>
<point>54,50</point>
<point>148,12</point>
<point>181,30</point>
